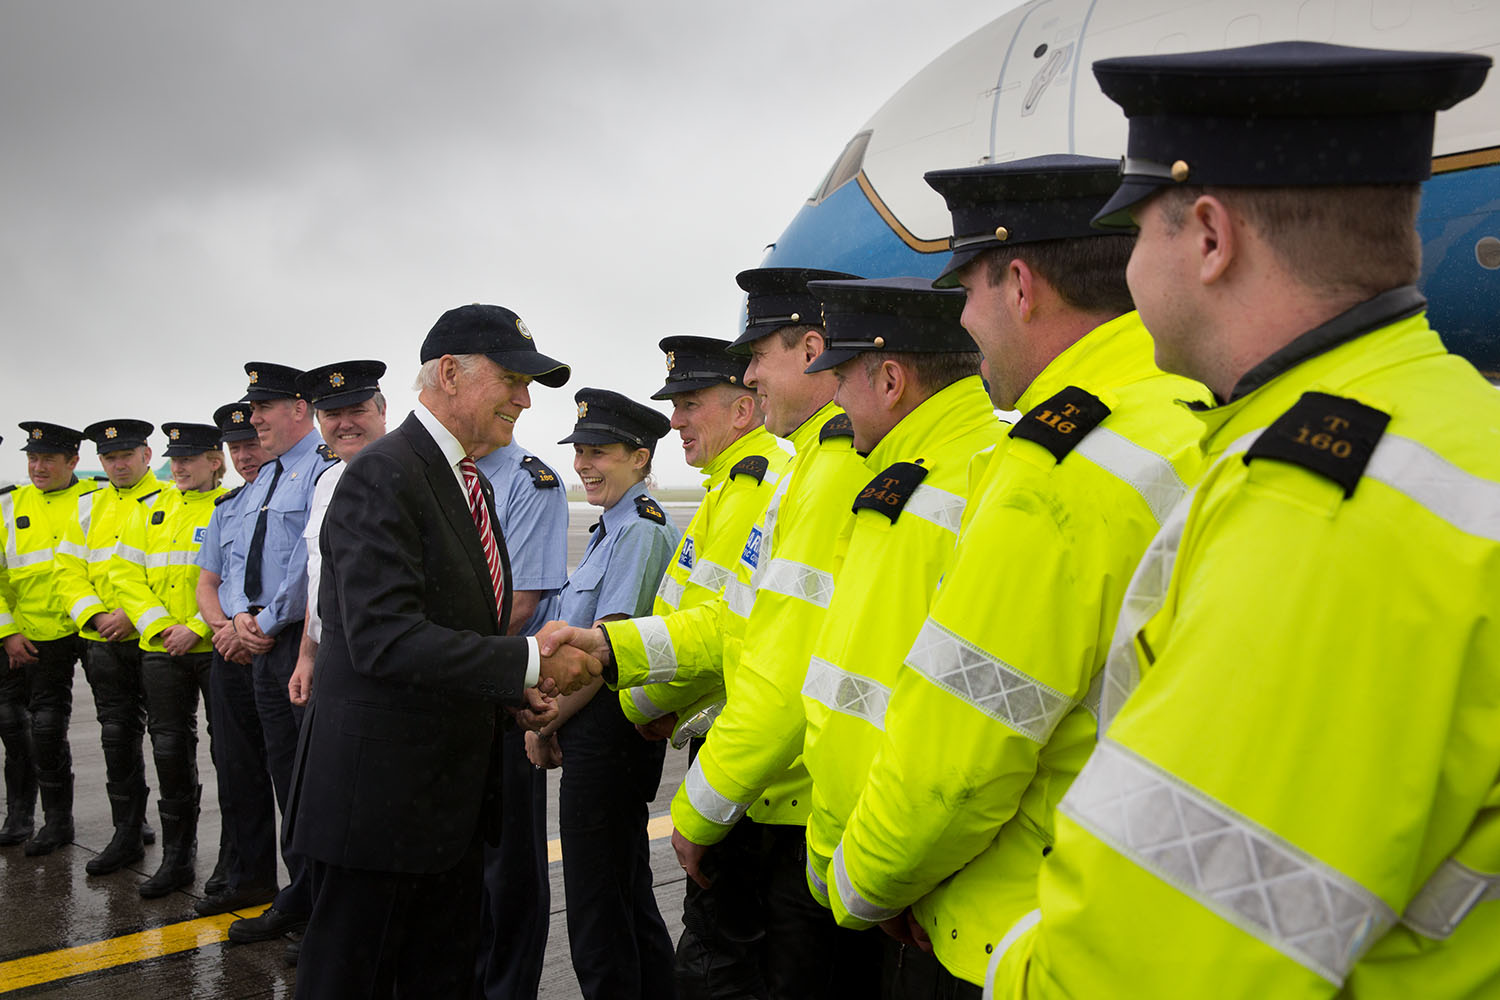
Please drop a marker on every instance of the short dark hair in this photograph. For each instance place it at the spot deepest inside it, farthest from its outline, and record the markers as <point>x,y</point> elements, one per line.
<point>791,336</point>
<point>933,371</point>
<point>1358,239</point>
<point>1088,272</point>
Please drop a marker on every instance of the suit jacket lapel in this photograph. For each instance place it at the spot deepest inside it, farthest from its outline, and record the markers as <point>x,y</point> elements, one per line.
<point>450,499</point>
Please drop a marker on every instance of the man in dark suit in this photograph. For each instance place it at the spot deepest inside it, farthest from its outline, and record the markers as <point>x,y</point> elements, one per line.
<point>398,770</point>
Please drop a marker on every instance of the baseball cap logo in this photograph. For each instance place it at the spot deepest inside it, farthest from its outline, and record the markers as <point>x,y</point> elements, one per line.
<point>521,328</point>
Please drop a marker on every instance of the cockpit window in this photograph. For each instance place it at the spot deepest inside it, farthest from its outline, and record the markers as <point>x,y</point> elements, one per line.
<point>845,168</point>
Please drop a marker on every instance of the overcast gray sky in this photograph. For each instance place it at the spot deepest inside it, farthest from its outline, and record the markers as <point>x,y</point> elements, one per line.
<point>191,185</point>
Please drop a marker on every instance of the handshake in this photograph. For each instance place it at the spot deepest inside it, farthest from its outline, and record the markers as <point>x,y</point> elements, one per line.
<point>572,659</point>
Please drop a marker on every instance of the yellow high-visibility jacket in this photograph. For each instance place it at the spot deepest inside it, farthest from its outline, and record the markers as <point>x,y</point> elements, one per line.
<point>989,720</point>
<point>739,483</point>
<point>154,570</point>
<point>33,524</point>
<point>905,524</point>
<point>762,633</point>
<point>83,556</point>
<point>1297,793</point>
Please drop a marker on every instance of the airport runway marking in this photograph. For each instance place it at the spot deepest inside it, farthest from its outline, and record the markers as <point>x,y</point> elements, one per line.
<point>34,970</point>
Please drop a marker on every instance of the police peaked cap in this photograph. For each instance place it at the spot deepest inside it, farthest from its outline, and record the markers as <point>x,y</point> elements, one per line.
<point>606,417</point>
<point>269,381</point>
<point>776,297</point>
<point>1021,201</point>
<point>499,334</point>
<point>1281,114</point>
<point>342,384</point>
<point>905,315</point>
<point>190,439</point>
<point>118,435</point>
<point>50,439</point>
<point>234,422</point>
<point>697,363</point>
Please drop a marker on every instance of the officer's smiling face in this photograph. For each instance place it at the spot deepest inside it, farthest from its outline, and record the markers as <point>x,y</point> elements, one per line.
<point>859,398</point>
<point>248,456</point>
<point>987,320</point>
<point>703,419</point>
<point>196,472</point>
<point>281,423</point>
<point>776,375</point>
<point>347,429</point>
<point>489,399</point>
<point>1160,274</point>
<point>608,470</point>
<point>50,470</point>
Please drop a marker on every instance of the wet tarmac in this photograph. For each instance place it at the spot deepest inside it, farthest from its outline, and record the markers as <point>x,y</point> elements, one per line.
<point>64,933</point>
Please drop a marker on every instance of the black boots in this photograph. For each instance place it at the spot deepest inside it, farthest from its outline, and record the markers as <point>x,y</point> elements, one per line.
<point>19,818</point>
<point>179,840</point>
<point>127,806</point>
<point>219,880</point>
<point>57,806</point>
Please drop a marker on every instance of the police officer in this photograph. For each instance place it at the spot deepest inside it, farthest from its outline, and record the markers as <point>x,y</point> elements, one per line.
<point>153,573</point>
<point>245,874</point>
<point>532,508</point>
<point>41,639</point>
<point>112,653</point>
<point>723,433</point>
<point>944,844</point>
<point>268,599</point>
<point>1294,791</point>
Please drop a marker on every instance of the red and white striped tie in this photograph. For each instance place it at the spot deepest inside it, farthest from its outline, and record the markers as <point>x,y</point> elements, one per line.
<point>481,515</point>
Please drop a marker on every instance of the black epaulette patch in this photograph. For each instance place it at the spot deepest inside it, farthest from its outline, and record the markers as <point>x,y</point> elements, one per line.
<point>228,496</point>
<point>649,509</point>
<point>755,467</point>
<point>149,496</point>
<point>9,489</point>
<point>889,491</point>
<point>327,453</point>
<point>542,477</point>
<point>837,427</point>
<point>23,522</point>
<point>1062,421</point>
<point>158,516</point>
<point>1333,436</point>
<point>100,479</point>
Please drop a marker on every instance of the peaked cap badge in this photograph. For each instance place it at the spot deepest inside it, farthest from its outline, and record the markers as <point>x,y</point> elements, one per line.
<point>336,379</point>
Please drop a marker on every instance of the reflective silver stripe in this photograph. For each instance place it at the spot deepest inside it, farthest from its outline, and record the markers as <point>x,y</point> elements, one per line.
<point>131,554</point>
<point>740,598</point>
<point>794,579</point>
<point>7,522</point>
<point>817,880</point>
<point>849,694</point>
<point>100,554</point>
<point>944,509</point>
<point>1017,931</point>
<point>661,656</point>
<point>86,511</point>
<point>670,591</point>
<point>856,904</point>
<point>30,558</point>
<point>150,617</point>
<point>155,560</point>
<point>698,724</point>
<point>6,620</point>
<point>644,705</point>
<point>707,801</point>
<point>1154,477</point>
<point>1265,885</point>
<point>1464,500</point>
<point>68,548</point>
<point>1446,898</point>
<point>82,605</point>
<point>987,682</point>
<point>711,575</point>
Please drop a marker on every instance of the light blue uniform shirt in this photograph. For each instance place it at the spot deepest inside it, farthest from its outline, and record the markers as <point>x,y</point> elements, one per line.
<point>533,518</point>
<point>620,571</point>
<point>283,571</point>
<point>213,554</point>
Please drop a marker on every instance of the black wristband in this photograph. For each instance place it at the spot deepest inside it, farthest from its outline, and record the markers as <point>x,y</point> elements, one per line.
<point>611,672</point>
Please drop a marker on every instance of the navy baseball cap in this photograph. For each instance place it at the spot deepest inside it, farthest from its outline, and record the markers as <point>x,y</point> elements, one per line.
<point>1021,201</point>
<point>1290,114</point>
<point>497,333</point>
<point>905,315</point>
<point>606,417</point>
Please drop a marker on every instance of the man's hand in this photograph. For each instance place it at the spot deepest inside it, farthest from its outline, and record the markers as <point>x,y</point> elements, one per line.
<point>178,640</point>
<point>300,686</point>
<point>113,626</point>
<point>905,928</point>
<point>247,630</point>
<point>227,642</point>
<point>535,711</point>
<point>544,751</point>
<point>658,729</point>
<point>566,670</point>
<point>554,635</point>
<point>690,856</point>
<point>20,650</point>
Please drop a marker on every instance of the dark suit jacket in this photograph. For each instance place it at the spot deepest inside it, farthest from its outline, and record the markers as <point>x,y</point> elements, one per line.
<point>398,760</point>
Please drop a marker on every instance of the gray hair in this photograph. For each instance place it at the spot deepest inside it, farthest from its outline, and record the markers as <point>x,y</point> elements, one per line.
<point>427,377</point>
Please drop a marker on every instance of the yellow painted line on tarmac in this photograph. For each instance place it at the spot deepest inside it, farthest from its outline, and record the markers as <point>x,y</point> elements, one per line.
<point>33,970</point>
<point>657,827</point>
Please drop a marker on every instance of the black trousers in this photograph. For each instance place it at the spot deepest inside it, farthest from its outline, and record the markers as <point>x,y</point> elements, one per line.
<point>114,673</point>
<point>280,721</point>
<point>619,942</point>
<point>909,973</point>
<point>36,704</point>
<point>247,801</point>
<point>516,909</point>
<point>387,934</point>
<point>758,932</point>
<point>173,684</point>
